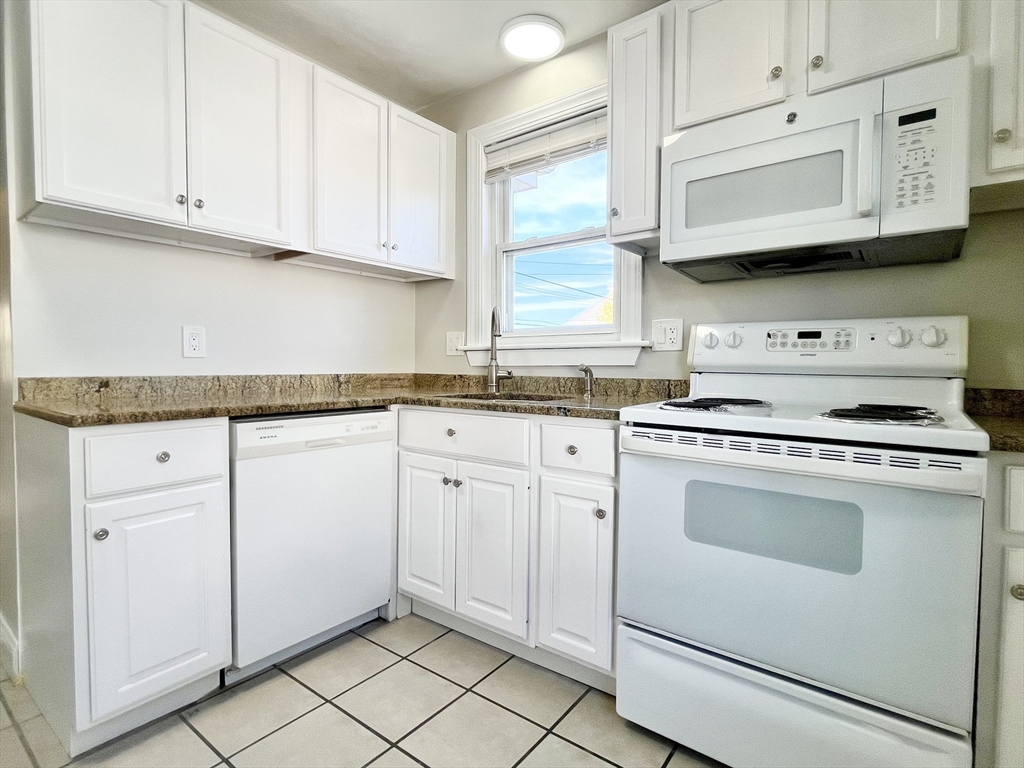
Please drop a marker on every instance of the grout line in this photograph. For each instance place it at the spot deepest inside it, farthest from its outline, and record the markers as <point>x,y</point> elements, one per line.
<point>461,696</point>
<point>506,661</point>
<point>671,754</point>
<point>410,653</point>
<point>275,730</point>
<point>575,744</point>
<point>202,738</point>
<point>16,726</point>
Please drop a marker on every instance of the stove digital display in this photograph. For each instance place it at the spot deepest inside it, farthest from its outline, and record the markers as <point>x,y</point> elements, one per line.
<point>808,334</point>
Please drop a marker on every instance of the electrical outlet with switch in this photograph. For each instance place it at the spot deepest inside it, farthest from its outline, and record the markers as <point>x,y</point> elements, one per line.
<point>452,342</point>
<point>193,341</point>
<point>667,335</point>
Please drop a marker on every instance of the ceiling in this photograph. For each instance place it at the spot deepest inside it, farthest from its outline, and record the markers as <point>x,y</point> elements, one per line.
<point>416,52</point>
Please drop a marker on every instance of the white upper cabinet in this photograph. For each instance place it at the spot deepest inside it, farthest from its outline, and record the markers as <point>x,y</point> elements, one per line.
<point>109,98</point>
<point>1006,137</point>
<point>238,158</point>
<point>730,57</point>
<point>159,601</point>
<point>418,200</point>
<point>634,55</point>
<point>851,40</point>
<point>350,134</point>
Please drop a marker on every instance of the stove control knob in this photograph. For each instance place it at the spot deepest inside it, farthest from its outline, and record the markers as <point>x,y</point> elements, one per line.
<point>933,337</point>
<point>710,340</point>
<point>899,337</point>
<point>733,340</point>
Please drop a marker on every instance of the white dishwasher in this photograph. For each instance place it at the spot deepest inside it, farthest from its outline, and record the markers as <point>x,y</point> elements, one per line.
<point>312,524</point>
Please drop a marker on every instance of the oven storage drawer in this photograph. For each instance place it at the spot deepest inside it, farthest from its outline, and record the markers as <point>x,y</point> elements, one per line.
<point>703,701</point>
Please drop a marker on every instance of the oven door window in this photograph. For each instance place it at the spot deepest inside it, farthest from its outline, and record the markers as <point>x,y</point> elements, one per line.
<point>816,532</point>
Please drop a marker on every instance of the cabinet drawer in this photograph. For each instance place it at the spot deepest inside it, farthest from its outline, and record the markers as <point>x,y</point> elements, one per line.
<point>139,460</point>
<point>581,448</point>
<point>497,438</point>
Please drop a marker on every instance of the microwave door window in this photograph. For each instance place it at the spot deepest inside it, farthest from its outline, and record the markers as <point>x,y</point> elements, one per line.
<point>792,186</point>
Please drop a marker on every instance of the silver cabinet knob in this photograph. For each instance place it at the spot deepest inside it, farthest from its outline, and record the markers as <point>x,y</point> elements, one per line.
<point>387,244</point>
<point>446,480</point>
<point>572,450</point>
<point>163,457</point>
<point>614,212</point>
<point>1002,135</point>
<point>1017,591</point>
<point>450,432</point>
<point>181,199</point>
<point>198,203</point>
<point>457,483</point>
<point>394,246</point>
<point>817,61</point>
<point>101,534</point>
<point>601,514</point>
<point>776,73</point>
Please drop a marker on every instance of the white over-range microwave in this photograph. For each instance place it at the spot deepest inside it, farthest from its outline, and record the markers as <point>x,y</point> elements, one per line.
<point>870,175</point>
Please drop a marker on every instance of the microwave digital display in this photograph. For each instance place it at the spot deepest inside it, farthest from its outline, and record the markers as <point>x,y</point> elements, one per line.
<point>917,117</point>
<point>808,334</point>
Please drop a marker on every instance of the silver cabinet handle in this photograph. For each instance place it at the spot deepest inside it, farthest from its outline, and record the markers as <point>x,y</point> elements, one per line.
<point>394,246</point>
<point>601,514</point>
<point>817,61</point>
<point>101,534</point>
<point>1017,591</point>
<point>181,199</point>
<point>572,450</point>
<point>198,203</point>
<point>163,457</point>
<point>450,432</point>
<point>387,244</point>
<point>776,73</point>
<point>457,483</point>
<point>1002,135</point>
<point>446,480</point>
<point>614,212</point>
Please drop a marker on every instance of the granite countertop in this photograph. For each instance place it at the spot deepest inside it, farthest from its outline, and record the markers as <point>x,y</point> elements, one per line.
<point>93,402</point>
<point>1006,433</point>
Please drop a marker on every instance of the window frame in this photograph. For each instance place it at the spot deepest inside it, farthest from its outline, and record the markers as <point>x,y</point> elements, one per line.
<point>488,214</point>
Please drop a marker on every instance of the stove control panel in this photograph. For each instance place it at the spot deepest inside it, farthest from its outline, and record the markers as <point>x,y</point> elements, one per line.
<point>902,346</point>
<point>821,339</point>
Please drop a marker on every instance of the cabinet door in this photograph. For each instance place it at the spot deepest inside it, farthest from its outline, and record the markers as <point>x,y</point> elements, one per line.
<point>851,39</point>
<point>426,528</point>
<point>577,557</point>
<point>159,593</point>
<point>1006,140</point>
<point>730,56</point>
<point>109,96</point>
<point>417,191</point>
<point>634,52</point>
<point>1010,727</point>
<point>238,161</point>
<point>492,551</point>
<point>350,129</point>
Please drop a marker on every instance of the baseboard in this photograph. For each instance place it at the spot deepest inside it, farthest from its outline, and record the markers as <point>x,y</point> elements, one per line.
<point>538,656</point>
<point>9,649</point>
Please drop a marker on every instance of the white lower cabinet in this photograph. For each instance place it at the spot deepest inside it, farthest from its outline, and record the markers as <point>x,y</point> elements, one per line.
<point>492,556</point>
<point>1010,723</point>
<point>426,528</point>
<point>577,564</point>
<point>158,585</point>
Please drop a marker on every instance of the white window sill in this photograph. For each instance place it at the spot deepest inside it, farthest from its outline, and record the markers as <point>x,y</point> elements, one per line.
<point>560,353</point>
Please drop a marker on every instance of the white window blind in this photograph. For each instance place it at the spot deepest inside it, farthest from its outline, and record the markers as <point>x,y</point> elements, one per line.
<point>543,147</point>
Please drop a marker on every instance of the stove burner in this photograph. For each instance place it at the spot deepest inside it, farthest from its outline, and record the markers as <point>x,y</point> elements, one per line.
<point>875,413</point>
<point>715,404</point>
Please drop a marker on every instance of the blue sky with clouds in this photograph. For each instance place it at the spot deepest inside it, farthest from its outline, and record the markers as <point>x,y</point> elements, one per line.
<point>553,287</point>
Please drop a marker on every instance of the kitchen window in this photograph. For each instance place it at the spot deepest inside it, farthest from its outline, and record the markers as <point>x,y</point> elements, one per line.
<point>538,217</point>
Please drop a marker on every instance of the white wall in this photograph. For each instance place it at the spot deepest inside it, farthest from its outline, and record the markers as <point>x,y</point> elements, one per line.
<point>987,284</point>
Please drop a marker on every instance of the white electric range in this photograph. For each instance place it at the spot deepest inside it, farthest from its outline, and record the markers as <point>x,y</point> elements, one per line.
<point>799,547</point>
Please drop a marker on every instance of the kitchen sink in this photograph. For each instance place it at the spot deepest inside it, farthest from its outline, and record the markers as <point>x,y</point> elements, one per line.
<point>506,396</point>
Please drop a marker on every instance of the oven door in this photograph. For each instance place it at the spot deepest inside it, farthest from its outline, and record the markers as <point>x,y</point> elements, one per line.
<point>863,588</point>
<point>802,173</point>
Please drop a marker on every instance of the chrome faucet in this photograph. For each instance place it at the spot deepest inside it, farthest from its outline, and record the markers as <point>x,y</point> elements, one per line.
<point>494,373</point>
<point>588,380</point>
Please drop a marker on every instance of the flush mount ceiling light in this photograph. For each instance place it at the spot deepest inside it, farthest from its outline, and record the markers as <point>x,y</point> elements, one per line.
<point>532,38</point>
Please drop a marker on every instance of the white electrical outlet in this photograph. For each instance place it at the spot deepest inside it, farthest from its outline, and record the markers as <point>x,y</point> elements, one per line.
<point>452,342</point>
<point>667,335</point>
<point>193,341</point>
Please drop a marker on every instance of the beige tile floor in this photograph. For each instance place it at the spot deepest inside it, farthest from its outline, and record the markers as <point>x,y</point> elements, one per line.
<point>410,693</point>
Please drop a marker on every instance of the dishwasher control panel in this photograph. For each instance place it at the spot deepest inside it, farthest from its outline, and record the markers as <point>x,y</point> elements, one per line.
<point>275,435</point>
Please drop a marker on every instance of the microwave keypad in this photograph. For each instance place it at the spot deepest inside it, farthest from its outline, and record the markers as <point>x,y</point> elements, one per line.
<point>916,160</point>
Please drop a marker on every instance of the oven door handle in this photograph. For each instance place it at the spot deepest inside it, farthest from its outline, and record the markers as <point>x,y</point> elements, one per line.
<point>946,481</point>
